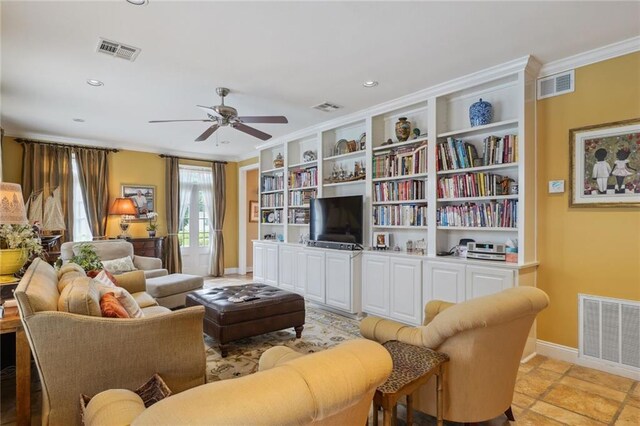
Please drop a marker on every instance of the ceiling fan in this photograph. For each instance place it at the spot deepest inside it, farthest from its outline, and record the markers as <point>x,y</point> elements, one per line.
<point>224,115</point>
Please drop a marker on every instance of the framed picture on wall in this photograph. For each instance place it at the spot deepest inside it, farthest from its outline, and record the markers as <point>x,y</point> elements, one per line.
<point>143,196</point>
<point>254,211</point>
<point>605,165</point>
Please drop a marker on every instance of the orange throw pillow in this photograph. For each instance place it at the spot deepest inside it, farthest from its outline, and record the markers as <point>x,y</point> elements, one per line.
<point>111,307</point>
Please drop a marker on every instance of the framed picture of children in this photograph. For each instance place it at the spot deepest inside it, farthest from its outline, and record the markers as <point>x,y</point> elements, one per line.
<point>605,165</point>
<point>143,196</point>
<point>381,240</point>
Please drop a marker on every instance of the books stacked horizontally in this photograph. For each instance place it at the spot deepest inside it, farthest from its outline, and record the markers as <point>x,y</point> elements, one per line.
<point>273,200</point>
<point>303,178</point>
<point>473,185</point>
<point>400,161</point>
<point>493,214</point>
<point>403,215</point>
<point>273,183</point>
<point>458,154</point>
<point>404,190</point>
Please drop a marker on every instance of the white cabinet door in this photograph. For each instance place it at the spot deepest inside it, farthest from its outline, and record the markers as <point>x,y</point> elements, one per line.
<point>286,267</point>
<point>338,280</point>
<point>259,254</point>
<point>315,275</point>
<point>483,281</point>
<point>375,284</point>
<point>271,265</point>
<point>444,281</point>
<point>405,287</point>
<point>300,281</point>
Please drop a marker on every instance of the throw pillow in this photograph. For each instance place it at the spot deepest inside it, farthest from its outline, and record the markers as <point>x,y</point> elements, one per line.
<point>117,266</point>
<point>106,278</point>
<point>111,307</point>
<point>68,267</point>
<point>80,296</point>
<point>124,297</point>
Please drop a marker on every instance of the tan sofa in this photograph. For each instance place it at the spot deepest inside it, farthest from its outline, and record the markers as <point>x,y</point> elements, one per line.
<point>332,387</point>
<point>116,249</point>
<point>484,338</point>
<point>78,354</point>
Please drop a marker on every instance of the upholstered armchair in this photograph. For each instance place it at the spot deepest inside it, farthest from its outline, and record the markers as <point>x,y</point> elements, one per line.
<point>115,249</point>
<point>81,354</point>
<point>484,338</point>
<point>331,387</point>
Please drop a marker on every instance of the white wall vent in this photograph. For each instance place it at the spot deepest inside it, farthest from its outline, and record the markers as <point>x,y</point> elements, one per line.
<point>119,50</point>
<point>610,330</point>
<point>557,84</point>
<point>326,107</point>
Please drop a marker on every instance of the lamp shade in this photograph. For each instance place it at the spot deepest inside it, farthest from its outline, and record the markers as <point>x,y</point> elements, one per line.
<point>12,210</point>
<point>123,206</point>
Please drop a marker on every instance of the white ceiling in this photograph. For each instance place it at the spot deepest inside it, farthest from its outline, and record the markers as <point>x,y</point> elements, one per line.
<point>278,59</point>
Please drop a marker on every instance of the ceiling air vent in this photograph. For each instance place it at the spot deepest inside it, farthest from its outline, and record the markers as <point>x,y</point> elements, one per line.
<point>326,107</point>
<point>119,50</point>
<point>557,84</point>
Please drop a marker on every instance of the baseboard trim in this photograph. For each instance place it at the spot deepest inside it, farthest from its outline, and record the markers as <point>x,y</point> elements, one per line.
<point>250,269</point>
<point>230,271</point>
<point>567,354</point>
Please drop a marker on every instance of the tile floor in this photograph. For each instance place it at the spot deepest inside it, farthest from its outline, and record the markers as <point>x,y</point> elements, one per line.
<point>548,392</point>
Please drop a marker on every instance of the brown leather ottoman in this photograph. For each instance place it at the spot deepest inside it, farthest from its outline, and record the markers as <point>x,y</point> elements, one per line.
<point>272,309</point>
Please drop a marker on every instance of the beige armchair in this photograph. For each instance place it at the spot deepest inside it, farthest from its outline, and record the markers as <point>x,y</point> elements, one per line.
<point>484,338</point>
<point>332,387</point>
<point>115,249</point>
<point>78,354</point>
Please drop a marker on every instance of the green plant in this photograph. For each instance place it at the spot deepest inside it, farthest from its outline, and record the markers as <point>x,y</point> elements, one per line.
<point>87,258</point>
<point>153,221</point>
<point>20,237</point>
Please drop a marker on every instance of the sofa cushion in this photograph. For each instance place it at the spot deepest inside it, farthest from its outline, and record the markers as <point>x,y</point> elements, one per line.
<point>152,311</point>
<point>81,296</point>
<point>69,267</point>
<point>118,266</point>
<point>144,300</point>
<point>111,307</point>
<point>113,407</point>
<point>153,273</point>
<point>169,285</point>
<point>68,277</point>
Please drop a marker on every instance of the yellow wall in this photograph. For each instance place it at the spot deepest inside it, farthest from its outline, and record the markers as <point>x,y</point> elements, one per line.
<point>230,228</point>
<point>11,160</point>
<point>243,163</point>
<point>252,227</point>
<point>584,250</point>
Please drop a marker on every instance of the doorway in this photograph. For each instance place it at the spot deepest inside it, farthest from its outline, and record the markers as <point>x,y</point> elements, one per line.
<point>248,181</point>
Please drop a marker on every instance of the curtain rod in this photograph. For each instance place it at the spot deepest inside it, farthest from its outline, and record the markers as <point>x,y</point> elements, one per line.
<point>191,159</point>
<point>66,145</point>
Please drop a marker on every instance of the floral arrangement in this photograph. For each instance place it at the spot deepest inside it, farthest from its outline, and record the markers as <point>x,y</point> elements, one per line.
<point>20,237</point>
<point>153,221</point>
<point>87,258</point>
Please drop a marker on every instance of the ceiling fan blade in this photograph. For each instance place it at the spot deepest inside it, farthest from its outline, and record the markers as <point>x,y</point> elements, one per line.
<point>251,131</point>
<point>276,119</point>
<point>174,121</point>
<point>208,110</point>
<point>207,133</point>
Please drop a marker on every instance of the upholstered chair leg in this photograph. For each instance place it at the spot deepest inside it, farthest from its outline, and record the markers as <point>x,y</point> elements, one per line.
<point>509,414</point>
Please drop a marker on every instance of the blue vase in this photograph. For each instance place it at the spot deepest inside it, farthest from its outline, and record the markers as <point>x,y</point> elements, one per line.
<point>480,113</point>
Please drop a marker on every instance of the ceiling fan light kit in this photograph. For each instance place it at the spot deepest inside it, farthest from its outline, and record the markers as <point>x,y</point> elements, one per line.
<point>226,116</point>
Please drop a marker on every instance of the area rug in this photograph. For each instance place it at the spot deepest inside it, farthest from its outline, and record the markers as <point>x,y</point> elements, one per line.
<point>322,330</point>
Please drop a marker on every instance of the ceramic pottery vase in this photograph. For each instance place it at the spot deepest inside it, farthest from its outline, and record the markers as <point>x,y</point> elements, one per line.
<point>480,113</point>
<point>403,129</point>
<point>279,161</point>
<point>152,234</point>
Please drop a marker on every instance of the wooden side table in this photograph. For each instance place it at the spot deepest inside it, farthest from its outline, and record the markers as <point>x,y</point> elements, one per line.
<point>149,247</point>
<point>413,366</point>
<point>11,324</point>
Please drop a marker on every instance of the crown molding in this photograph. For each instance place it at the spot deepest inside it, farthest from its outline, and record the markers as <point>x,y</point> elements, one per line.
<point>603,53</point>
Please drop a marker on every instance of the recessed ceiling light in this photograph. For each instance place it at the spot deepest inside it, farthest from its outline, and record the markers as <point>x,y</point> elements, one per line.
<point>79,120</point>
<point>92,82</point>
<point>138,2</point>
<point>370,83</point>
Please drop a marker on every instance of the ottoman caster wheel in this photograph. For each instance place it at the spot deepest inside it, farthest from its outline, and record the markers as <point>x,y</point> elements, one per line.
<point>224,351</point>
<point>298,330</point>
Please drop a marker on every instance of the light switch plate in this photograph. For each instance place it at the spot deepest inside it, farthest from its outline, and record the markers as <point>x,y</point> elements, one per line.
<point>556,186</point>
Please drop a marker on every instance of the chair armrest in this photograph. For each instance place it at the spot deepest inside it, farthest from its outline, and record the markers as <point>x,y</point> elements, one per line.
<point>133,282</point>
<point>433,308</point>
<point>275,356</point>
<point>113,407</point>
<point>145,263</point>
<point>383,330</point>
<point>79,354</point>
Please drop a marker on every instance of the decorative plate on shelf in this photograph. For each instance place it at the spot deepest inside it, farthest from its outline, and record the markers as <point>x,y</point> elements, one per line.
<point>341,147</point>
<point>271,217</point>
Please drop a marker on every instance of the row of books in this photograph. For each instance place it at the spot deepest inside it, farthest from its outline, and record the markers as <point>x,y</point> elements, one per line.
<point>403,215</point>
<point>272,216</point>
<point>273,200</point>
<point>458,154</point>
<point>303,178</point>
<point>473,185</point>
<point>400,162</point>
<point>299,216</point>
<point>300,198</point>
<point>273,183</point>
<point>404,190</point>
<point>501,214</point>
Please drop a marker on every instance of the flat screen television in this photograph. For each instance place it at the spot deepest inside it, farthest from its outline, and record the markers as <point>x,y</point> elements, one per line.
<point>337,219</point>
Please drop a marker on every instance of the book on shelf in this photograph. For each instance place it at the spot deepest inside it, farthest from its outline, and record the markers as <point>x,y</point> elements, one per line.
<point>477,184</point>
<point>303,178</point>
<point>498,214</point>
<point>273,183</point>
<point>455,154</point>
<point>401,215</point>
<point>299,198</point>
<point>299,216</point>
<point>403,161</point>
<point>405,190</point>
<point>272,200</point>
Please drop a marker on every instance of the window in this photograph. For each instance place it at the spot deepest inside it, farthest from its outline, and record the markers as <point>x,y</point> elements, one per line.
<point>81,228</point>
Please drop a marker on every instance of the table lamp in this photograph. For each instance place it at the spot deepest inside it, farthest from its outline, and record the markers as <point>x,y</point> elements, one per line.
<point>124,207</point>
<point>12,212</point>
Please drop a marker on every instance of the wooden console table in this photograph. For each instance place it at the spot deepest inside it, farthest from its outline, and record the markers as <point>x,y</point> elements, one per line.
<point>150,247</point>
<point>11,324</point>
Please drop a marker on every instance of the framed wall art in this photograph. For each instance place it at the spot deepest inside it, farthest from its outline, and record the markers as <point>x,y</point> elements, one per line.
<point>254,211</point>
<point>605,165</point>
<point>143,196</point>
